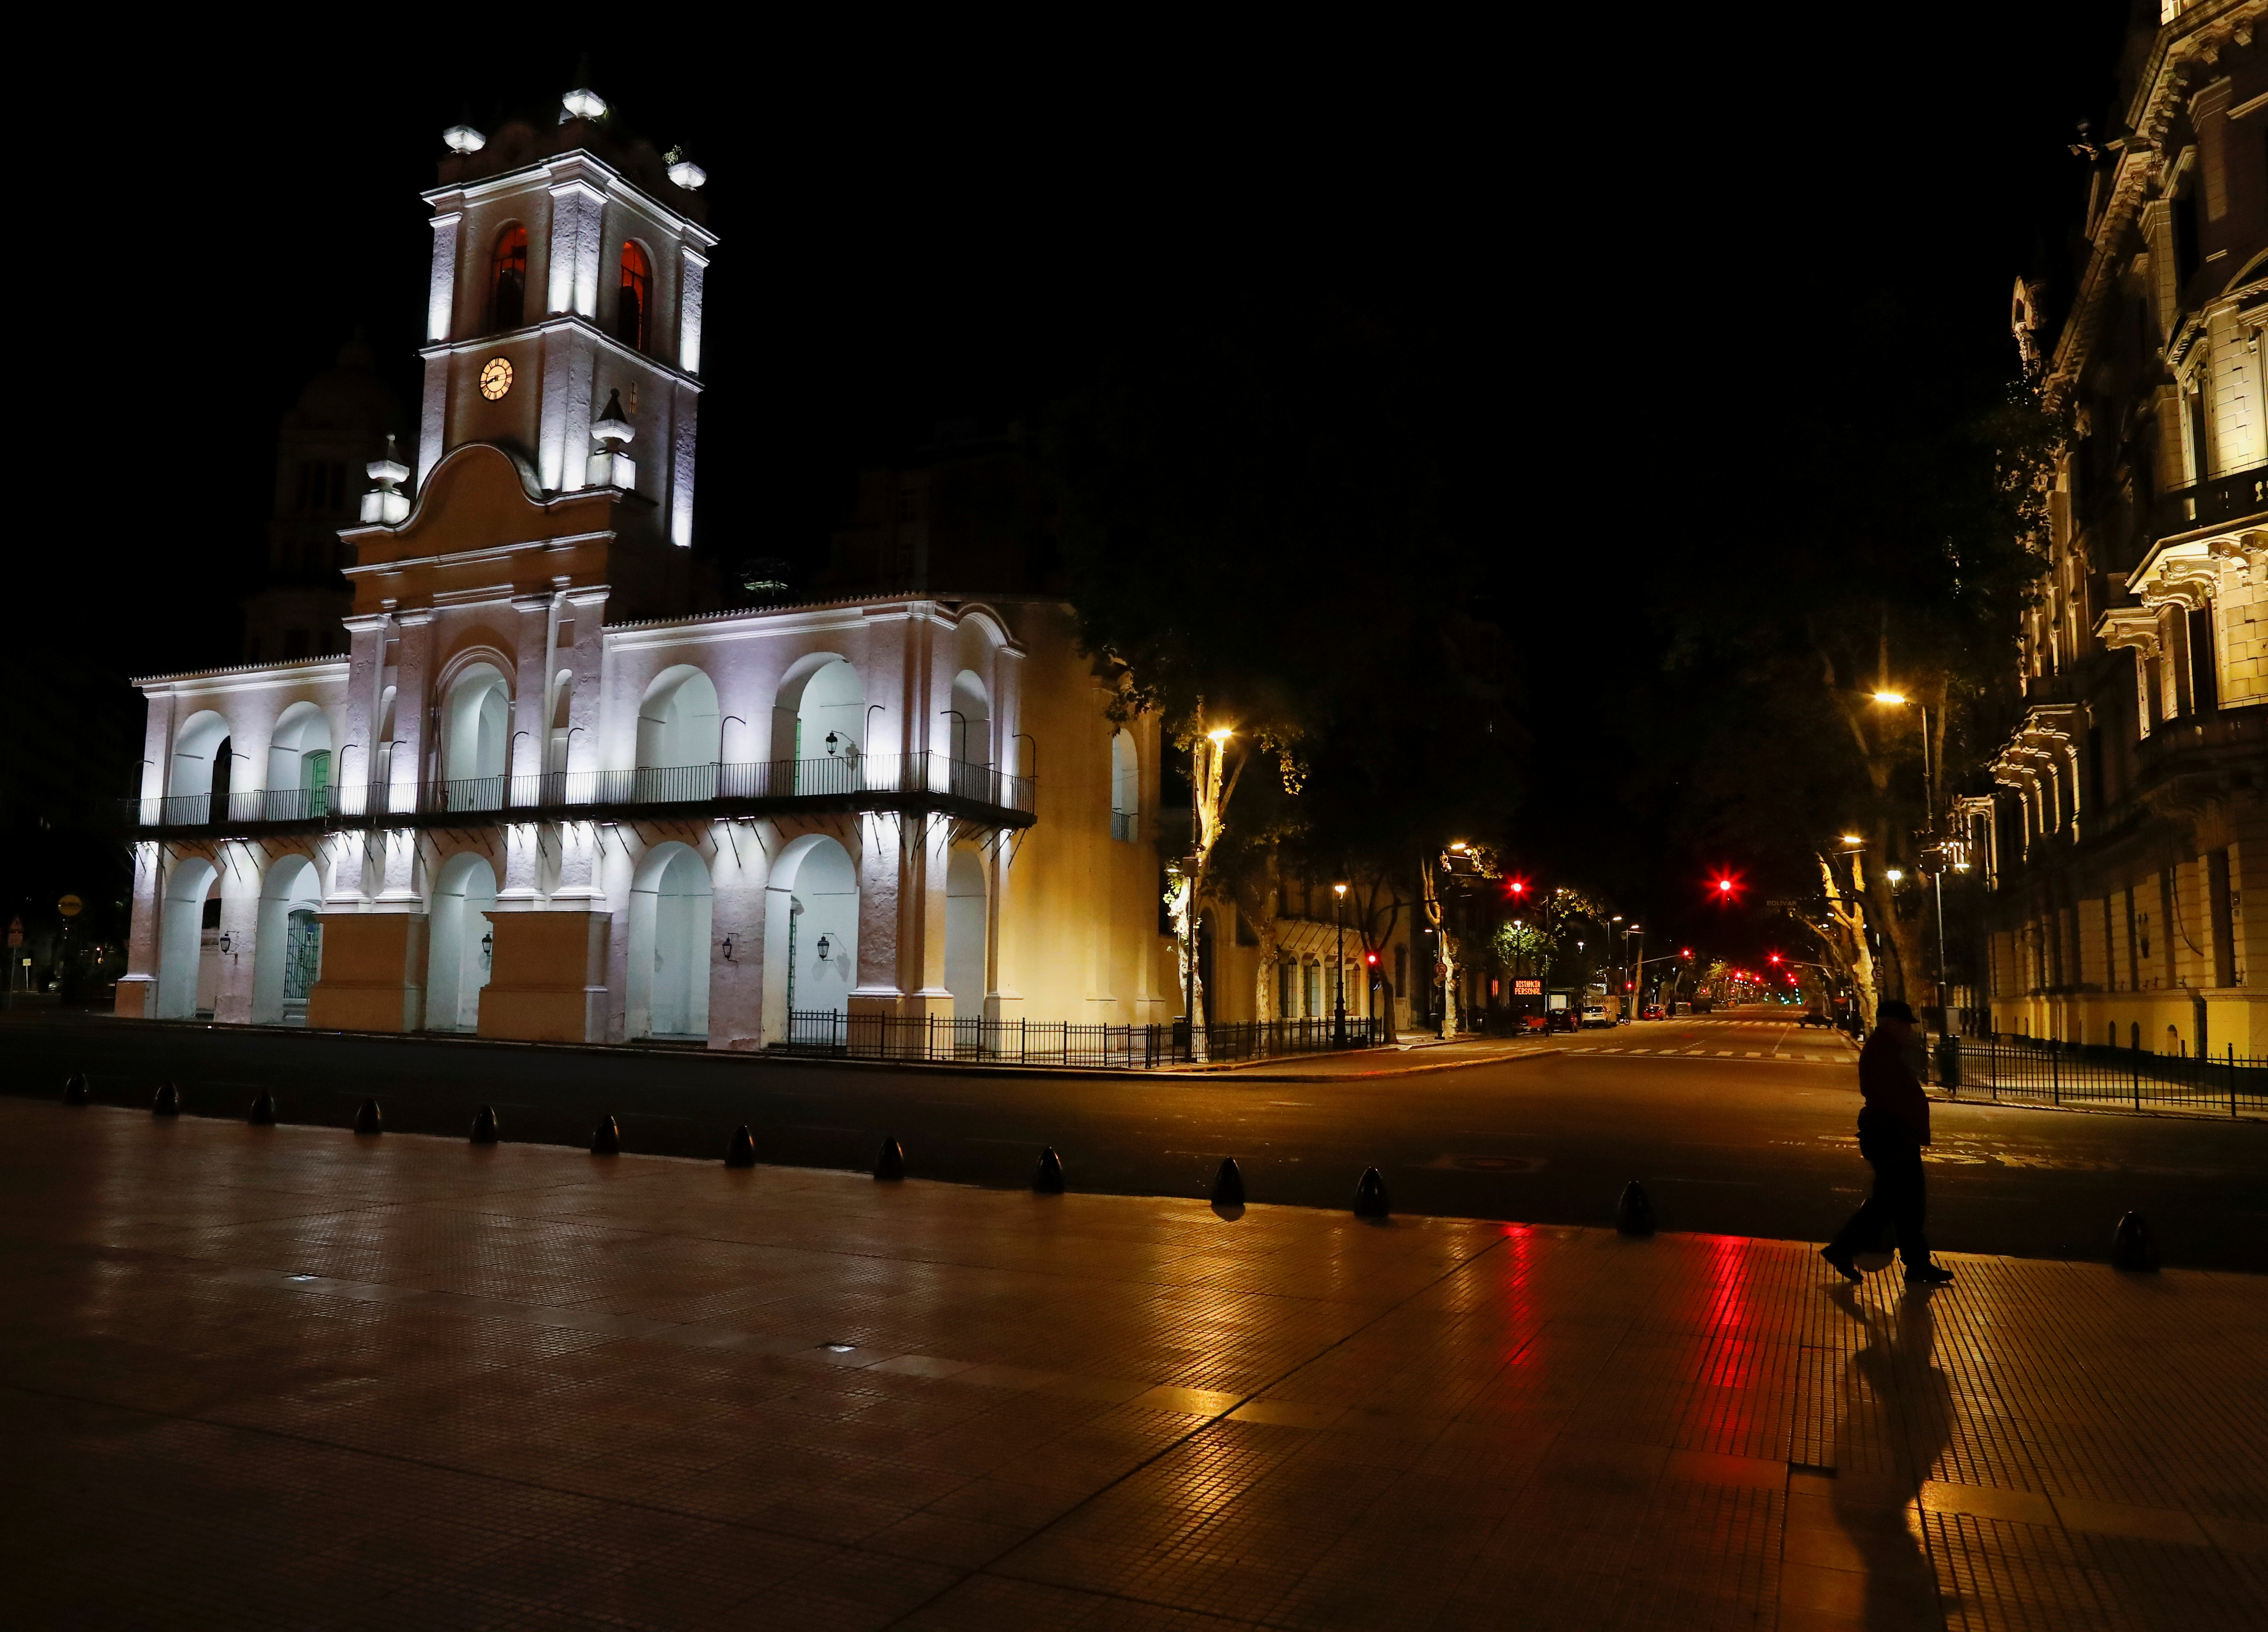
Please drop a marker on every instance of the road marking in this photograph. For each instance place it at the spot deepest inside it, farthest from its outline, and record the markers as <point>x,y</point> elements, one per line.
<point>1750,1055</point>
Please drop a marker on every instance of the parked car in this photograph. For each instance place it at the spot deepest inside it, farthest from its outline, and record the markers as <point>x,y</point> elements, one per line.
<point>1559,1020</point>
<point>1653,1011</point>
<point>1595,1014</point>
<point>1816,1018</point>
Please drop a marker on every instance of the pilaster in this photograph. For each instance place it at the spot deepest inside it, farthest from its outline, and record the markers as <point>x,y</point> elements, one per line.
<point>137,988</point>
<point>881,863</point>
<point>411,708</point>
<point>239,927</point>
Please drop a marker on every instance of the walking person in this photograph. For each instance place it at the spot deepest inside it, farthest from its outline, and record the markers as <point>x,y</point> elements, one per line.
<point>1892,1127</point>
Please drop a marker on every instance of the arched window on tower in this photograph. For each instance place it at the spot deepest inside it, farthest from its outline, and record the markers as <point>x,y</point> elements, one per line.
<point>508,280</point>
<point>630,305</point>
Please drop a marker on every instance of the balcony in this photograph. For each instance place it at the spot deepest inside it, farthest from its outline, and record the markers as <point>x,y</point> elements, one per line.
<point>2211,503</point>
<point>2203,745</point>
<point>913,784</point>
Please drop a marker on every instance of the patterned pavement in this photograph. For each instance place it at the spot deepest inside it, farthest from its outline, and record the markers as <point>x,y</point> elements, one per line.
<point>293,1377</point>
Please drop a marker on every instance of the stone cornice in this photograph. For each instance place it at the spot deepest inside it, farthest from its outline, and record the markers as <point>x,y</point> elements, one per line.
<point>2130,625</point>
<point>2197,35</point>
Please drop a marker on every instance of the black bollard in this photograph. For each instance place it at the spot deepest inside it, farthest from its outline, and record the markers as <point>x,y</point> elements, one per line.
<point>367,1120</point>
<point>1370,1195</point>
<point>74,1088</point>
<point>2132,1247</point>
<point>890,1163</point>
<point>741,1152</point>
<point>606,1137</point>
<point>262,1114</point>
<point>484,1126</point>
<point>1634,1215</point>
<point>1048,1180</point>
<point>1228,1184</point>
<point>168,1102</point>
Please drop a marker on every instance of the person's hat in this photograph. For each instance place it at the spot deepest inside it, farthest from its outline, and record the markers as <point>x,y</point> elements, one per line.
<point>1893,1010</point>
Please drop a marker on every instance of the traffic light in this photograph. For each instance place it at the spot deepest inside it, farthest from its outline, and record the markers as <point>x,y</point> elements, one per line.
<point>1370,958</point>
<point>1517,888</point>
<point>1687,952</point>
<point>1775,957</point>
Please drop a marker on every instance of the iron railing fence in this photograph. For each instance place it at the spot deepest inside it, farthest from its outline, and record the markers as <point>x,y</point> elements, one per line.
<point>1064,1042</point>
<point>2004,1067</point>
<point>914,774</point>
<point>2224,498</point>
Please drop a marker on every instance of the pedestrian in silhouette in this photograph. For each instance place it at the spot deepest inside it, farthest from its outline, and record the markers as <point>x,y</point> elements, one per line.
<point>1892,1127</point>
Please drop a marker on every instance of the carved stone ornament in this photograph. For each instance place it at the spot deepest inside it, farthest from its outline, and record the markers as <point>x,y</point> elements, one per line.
<point>2131,625</point>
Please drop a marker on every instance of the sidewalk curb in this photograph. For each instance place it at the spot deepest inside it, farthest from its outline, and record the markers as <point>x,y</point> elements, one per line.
<point>1938,1095</point>
<point>1407,1070</point>
<point>759,1058</point>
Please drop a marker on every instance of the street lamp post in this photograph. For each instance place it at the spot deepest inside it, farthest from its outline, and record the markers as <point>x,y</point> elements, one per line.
<point>1338,1004</point>
<point>1929,814</point>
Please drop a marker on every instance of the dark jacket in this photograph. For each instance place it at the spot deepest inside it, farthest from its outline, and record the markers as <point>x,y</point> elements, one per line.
<point>1886,1078</point>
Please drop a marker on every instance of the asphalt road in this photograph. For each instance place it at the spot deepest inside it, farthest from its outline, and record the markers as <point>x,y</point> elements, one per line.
<point>1725,1143</point>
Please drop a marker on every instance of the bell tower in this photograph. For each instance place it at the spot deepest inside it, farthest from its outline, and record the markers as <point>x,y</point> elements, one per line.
<point>564,312</point>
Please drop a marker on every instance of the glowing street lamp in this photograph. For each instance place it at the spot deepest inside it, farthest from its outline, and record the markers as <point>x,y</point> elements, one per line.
<point>1339,971</point>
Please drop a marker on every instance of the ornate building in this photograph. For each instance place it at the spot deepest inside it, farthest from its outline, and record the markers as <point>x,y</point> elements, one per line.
<point>534,790</point>
<point>2132,811</point>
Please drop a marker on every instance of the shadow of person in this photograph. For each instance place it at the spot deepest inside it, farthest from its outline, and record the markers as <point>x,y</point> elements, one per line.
<point>1896,1422</point>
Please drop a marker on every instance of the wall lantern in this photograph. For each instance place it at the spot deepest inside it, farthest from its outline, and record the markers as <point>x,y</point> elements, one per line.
<point>825,947</point>
<point>227,942</point>
<point>488,950</point>
<point>728,949</point>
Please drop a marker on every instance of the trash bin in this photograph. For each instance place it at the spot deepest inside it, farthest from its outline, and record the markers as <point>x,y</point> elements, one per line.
<point>1949,1062</point>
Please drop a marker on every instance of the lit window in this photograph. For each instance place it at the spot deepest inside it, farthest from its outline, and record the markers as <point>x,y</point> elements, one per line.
<point>631,303</point>
<point>508,280</point>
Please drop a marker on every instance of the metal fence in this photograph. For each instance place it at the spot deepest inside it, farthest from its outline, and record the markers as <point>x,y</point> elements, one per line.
<point>1062,1042</point>
<point>836,776</point>
<point>2002,1066</point>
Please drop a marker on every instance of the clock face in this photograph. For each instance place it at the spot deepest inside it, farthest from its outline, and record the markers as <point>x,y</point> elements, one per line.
<point>496,377</point>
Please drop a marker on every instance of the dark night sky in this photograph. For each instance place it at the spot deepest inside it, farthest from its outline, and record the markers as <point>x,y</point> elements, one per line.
<point>1628,246</point>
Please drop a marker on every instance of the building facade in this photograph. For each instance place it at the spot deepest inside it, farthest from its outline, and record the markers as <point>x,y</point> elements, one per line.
<point>2131,815</point>
<point>530,787</point>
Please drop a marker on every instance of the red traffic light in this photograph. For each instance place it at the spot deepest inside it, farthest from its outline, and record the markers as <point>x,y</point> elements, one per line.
<point>1688,952</point>
<point>1775,957</point>
<point>1515,886</point>
<point>1370,957</point>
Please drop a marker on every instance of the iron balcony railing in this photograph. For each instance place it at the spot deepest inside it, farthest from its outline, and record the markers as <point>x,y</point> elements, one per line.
<point>2005,1067</point>
<point>903,775</point>
<point>1062,1042</point>
<point>2230,497</point>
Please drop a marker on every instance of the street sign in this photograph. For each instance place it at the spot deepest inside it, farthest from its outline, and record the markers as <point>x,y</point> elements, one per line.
<point>15,931</point>
<point>70,906</point>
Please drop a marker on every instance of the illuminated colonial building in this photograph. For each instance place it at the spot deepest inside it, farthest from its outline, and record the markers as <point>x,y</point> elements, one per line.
<point>2133,818</point>
<point>527,788</point>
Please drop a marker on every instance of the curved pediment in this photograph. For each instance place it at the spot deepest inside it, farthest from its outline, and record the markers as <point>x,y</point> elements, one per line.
<point>479,496</point>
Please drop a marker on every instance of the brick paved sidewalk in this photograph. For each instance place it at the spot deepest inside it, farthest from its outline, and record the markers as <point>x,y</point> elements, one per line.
<point>288,1376</point>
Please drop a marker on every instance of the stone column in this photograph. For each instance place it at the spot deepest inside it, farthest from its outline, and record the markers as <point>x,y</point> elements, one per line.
<point>882,869</point>
<point>240,928</point>
<point>921,916</point>
<point>736,914</point>
<point>137,988</point>
<point>1004,1002</point>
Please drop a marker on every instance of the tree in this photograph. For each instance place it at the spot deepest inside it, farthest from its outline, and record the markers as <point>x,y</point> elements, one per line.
<point>1249,520</point>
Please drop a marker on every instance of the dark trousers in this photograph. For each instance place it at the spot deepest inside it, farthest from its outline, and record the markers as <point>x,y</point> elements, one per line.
<point>1891,1148</point>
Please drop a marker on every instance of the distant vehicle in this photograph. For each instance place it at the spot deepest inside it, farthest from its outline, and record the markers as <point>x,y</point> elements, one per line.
<point>1653,1011</point>
<point>1816,1018</point>
<point>1559,1020</point>
<point>1681,1008</point>
<point>1595,1014</point>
